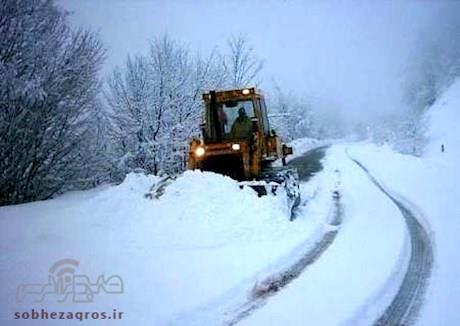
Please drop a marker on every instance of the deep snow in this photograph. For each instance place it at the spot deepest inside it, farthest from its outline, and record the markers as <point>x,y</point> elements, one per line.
<point>193,255</point>
<point>202,239</point>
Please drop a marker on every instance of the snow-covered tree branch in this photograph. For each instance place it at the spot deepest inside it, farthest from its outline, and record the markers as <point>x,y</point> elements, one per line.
<point>241,65</point>
<point>48,100</point>
<point>156,105</point>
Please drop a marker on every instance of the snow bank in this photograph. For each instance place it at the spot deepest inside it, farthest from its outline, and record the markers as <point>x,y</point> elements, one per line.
<point>136,183</point>
<point>195,244</point>
<point>212,210</point>
<point>302,145</point>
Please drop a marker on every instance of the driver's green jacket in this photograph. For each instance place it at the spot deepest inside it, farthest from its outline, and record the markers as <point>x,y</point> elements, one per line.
<point>242,128</point>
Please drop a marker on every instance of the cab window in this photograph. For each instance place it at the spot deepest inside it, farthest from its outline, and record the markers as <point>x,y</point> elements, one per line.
<point>266,123</point>
<point>229,113</point>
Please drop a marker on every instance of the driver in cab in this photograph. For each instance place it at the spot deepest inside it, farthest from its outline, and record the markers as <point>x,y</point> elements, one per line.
<point>242,127</point>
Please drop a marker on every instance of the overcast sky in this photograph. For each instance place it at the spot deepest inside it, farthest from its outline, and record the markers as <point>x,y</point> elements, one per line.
<point>349,57</point>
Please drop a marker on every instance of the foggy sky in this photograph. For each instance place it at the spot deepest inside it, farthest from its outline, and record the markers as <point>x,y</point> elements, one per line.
<point>349,58</point>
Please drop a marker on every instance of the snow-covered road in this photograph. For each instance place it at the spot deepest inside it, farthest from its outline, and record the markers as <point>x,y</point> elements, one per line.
<point>262,291</point>
<point>355,255</point>
<point>356,279</point>
<point>405,306</point>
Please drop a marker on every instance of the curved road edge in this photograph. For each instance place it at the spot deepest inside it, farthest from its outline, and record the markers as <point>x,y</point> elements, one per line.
<point>262,291</point>
<point>405,306</point>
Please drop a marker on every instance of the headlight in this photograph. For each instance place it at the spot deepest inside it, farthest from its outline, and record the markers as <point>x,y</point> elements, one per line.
<point>236,147</point>
<point>199,151</point>
<point>246,91</point>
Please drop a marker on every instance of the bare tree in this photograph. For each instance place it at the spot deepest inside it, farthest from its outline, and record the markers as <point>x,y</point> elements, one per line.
<point>241,65</point>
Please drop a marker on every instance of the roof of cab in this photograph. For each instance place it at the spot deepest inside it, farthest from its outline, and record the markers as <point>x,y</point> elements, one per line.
<point>233,94</point>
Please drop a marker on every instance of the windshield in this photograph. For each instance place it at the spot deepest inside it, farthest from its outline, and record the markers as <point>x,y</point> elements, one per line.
<point>230,111</point>
<point>232,120</point>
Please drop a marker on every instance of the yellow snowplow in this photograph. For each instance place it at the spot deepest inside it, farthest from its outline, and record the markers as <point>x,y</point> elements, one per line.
<point>237,141</point>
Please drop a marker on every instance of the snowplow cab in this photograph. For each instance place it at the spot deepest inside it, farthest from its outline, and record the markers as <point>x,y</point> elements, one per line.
<point>236,140</point>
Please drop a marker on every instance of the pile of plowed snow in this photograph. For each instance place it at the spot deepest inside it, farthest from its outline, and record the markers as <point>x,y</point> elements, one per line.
<point>201,239</point>
<point>198,208</point>
<point>212,209</point>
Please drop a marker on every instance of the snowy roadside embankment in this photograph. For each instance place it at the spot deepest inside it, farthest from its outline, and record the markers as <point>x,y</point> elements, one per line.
<point>303,145</point>
<point>431,183</point>
<point>203,238</point>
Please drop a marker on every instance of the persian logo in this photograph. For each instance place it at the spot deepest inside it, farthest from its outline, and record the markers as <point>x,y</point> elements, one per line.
<point>64,282</point>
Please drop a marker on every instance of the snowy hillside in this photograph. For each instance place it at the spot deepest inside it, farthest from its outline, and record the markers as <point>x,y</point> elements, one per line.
<point>431,184</point>
<point>444,120</point>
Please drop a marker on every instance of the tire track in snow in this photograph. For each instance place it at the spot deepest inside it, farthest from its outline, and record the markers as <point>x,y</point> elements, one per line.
<point>404,308</point>
<point>271,285</point>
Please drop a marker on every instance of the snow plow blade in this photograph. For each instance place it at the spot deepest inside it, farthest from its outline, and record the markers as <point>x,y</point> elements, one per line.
<point>278,182</point>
